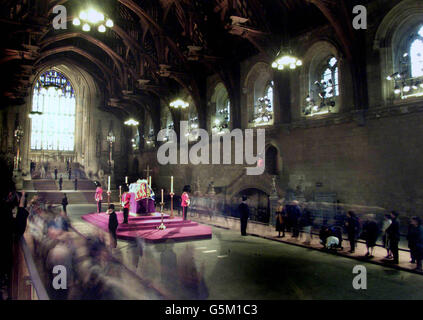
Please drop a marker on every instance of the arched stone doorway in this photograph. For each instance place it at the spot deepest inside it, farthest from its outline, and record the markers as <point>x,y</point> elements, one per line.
<point>272,161</point>
<point>258,202</point>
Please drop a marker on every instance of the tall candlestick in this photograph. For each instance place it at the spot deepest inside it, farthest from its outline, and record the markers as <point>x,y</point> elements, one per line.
<point>108,185</point>
<point>162,195</point>
<point>171,184</point>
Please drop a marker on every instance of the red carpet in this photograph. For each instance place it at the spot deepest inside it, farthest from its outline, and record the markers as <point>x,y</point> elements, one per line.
<point>146,227</point>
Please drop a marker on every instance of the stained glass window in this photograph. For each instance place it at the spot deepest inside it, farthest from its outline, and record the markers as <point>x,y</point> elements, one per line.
<point>54,129</point>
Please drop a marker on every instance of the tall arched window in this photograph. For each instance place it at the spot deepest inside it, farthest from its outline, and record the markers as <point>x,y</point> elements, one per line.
<point>54,128</point>
<point>416,55</point>
<point>222,116</point>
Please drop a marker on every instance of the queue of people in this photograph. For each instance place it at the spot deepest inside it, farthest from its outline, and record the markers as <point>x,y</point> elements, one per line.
<point>291,217</point>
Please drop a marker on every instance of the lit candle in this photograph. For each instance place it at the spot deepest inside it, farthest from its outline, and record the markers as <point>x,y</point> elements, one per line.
<point>120,191</point>
<point>171,184</point>
<point>162,195</point>
<point>108,185</point>
<point>126,180</point>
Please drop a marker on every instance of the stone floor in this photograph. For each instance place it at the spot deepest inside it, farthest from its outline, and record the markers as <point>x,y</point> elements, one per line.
<point>230,266</point>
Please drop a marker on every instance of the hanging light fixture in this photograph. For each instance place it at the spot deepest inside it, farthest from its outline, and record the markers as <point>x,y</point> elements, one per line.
<point>286,60</point>
<point>131,122</point>
<point>92,17</point>
<point>179,103</point>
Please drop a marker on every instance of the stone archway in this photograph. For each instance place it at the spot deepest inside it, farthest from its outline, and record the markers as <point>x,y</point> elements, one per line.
<point>272,167</point>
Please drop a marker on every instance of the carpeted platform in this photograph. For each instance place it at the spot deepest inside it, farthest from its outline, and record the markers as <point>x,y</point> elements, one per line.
<point>146,227</point>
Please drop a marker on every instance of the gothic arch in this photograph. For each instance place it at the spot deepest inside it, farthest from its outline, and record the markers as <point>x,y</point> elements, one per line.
<point>390,37</point>
<point>313,59</point>
<point>276,161</point>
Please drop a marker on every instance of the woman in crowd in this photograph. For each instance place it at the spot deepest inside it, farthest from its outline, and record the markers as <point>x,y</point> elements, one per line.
<point>306,223</point>
<point>415,241</point>
<point>280,217</point>
<point>352,226</point>
<point>413,238</point>
<point>370,234</point>
<point>385,225</point>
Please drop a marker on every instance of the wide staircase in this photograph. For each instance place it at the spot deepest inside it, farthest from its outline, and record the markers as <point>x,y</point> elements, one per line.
<point>48,190</point>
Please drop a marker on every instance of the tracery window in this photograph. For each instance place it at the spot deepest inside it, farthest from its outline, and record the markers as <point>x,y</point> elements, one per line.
<point>322,97</point>
<point>407,80</point>
<point>54,104</point>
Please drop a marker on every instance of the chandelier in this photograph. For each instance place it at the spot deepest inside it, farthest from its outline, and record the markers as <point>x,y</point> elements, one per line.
<point>19,133</point>
<point>219,126</point>
<point>179,103</point>
<point>325,93</point>
<point>286,61</point>
<point>404,85</point>
<point>92,17</point>
<point>149,139</point>
<point>171,126</point>
<point>131,122</point>
<point>264,111</point>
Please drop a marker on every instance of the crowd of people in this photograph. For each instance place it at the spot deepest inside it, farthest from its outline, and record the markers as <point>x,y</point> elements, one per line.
<point>93,267</point>
<point>297,219</point>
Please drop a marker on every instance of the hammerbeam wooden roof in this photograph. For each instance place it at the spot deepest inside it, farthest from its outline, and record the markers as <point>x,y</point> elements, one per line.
<point>148,49</point>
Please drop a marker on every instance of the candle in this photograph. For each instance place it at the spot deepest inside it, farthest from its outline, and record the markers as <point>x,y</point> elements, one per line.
<point>149,179</point>
<point>108,185</point>
<point>120,191</point>
<point>162,195</point>
<point>171,184</point>
<point>126,180</point>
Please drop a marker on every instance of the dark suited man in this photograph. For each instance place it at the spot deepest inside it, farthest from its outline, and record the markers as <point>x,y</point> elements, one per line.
<point>244,213</point>
<point>65,203</point>
<point>393,233</point>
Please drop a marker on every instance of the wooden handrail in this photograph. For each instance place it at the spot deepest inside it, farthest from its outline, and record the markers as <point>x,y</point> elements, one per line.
<point>33,272</point>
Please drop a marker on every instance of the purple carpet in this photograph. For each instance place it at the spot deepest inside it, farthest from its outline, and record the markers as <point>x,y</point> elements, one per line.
<point>145,227</point>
